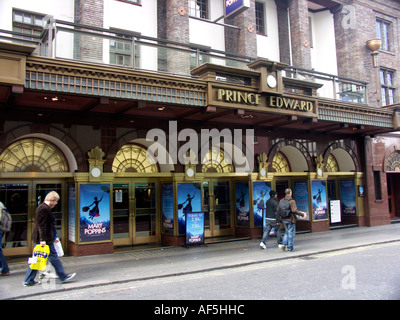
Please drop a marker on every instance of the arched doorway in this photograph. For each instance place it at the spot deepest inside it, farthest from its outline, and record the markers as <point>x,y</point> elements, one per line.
<point>21,194</point>
<point>135,199</point>
<point>392,168</point>
<point>217,193</point>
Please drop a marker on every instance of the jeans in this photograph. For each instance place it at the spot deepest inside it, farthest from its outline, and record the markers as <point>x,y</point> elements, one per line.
<point>290,231</point>
<point>56,263</point>
<point>3,263</point>
<point>269,225</point>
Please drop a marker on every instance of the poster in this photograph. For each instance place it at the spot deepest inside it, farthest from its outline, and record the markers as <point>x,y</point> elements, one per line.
<point>348,197</point>
<point>71,213</point>
<point>300,193</point>
<point>194,228</point>
<point>260,197</point>
<point>318,191</point>
<point>242,204</point>
<point>335,211</point>
<point>167,208</point>
<point>189,200</point>
<point>95,212</point>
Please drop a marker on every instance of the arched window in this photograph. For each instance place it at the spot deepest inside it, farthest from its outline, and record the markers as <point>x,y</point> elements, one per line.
<point>280,164</point>
<point>134,158</point>
<point>331,164</point>
<point>393,163</point>
<point>32,155</point>
<point>216,162</point>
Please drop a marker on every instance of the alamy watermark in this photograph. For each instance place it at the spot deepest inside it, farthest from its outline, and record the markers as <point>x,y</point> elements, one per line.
<point>349,277</point>
<point>183,146</point>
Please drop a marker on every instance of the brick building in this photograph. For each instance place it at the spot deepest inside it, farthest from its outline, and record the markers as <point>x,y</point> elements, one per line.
<point>140,112</point>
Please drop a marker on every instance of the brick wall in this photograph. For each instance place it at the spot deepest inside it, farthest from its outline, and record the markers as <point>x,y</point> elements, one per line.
<point>89,48</point>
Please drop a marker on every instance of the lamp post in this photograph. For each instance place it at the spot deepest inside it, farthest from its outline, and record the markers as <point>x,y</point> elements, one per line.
<point>374,45</point>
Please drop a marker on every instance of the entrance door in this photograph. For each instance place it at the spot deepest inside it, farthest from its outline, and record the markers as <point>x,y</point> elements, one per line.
<point>391,194</point>
<point>281,186</point>
<point>21,200</point>
<point>217,207</point>
<point>135,213</point>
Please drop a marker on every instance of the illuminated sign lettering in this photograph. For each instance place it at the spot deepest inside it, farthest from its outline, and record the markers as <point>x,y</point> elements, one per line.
<point>239,97</point>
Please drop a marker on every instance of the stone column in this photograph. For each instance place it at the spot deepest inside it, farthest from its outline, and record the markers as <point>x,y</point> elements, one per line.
<point>89,48</point>
<point>242,41</point>
<point>300,33</point>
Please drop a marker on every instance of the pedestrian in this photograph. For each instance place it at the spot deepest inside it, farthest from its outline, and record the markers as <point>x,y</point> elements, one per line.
<point>45,233</point>
<point>290,222</point>
<point>272,220</point>
<point>5,271</point>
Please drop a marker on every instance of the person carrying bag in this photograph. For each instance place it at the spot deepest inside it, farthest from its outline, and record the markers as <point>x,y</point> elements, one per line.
<point>44,235</point>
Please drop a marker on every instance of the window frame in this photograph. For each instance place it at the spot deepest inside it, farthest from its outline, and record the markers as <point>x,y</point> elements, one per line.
<point>385,34</point>
<point>388,88</point>
<point>196,10</point>
<point>261,21</point>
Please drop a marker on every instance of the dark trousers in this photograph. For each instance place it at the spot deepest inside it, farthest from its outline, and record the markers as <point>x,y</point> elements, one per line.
<point>269,225</point>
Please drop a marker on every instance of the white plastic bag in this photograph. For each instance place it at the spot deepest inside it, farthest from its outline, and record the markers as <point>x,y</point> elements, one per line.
<point>59,249</point>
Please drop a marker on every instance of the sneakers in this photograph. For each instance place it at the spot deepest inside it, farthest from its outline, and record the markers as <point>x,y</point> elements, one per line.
<point>263,246</point>
<point>31,284</point>
<point>3,274</point>
<point>34,283</point>
<point>69,277</point>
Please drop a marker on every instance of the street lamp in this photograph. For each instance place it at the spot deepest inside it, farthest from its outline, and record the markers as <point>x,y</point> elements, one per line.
<point>374,45</point>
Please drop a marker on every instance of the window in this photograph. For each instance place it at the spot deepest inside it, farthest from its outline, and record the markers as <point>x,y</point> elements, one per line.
<point>377,184</point>
<point>387,87</point>
<point>27,23</point>
<point>121,51</point>
<point>199,8</point>
<point>383,33</point>
<point>260,18</point>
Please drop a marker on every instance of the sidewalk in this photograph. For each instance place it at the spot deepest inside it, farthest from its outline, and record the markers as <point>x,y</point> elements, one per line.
<point>100,270</point>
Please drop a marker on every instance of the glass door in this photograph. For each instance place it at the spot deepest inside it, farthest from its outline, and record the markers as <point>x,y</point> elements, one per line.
<point>217,207</point>
<point>134,213</point>
<point>21,200</point>
<point>281,186</point>
<point>15,196</point>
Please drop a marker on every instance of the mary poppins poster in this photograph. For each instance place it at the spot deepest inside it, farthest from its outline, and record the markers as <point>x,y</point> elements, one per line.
<point>94,212</point>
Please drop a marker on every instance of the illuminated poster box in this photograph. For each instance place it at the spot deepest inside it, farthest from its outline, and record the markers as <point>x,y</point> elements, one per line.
<point>233,7</point>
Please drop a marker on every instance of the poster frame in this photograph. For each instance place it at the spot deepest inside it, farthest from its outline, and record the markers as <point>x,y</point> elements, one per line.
<point>189,224</point>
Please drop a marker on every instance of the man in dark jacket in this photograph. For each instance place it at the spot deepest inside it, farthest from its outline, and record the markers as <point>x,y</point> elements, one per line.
<point>44,233</point>
<point>272,220</point>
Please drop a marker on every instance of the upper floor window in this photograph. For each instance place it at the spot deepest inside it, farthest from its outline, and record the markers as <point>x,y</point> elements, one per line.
<point>383,33</point>
<point>122,48</point>
<point>199,8</point>
<point>27,23</point>
<point>387,87</point>
<point>260,18</point>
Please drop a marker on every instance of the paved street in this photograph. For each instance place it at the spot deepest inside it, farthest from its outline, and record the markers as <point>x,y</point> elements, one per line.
<point>354,263</point>
<point>369,272</point>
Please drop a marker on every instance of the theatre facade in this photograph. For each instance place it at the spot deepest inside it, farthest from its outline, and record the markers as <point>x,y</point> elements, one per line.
<point>131,152</point>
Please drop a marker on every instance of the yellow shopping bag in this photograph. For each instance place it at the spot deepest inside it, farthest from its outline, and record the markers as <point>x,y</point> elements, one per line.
<point>39,257</point>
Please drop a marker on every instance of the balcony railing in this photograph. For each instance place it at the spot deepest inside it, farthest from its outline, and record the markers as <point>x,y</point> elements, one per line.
<point>68,40</point>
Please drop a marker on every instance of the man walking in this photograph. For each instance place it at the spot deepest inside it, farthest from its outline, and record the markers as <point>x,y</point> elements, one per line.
<point>287,203</point>
<point>44,233</point>
<point>272,220</point>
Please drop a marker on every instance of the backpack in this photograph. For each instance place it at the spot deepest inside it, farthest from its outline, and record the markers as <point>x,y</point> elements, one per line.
<point>284,209</point>
<point>5,220</point>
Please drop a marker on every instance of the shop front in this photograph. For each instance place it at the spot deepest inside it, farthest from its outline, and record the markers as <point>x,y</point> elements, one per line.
<point>225,138</point>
